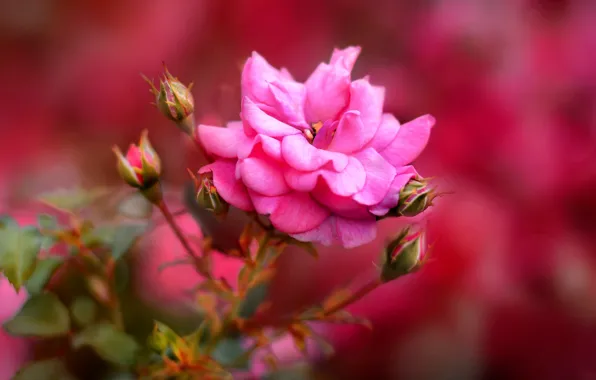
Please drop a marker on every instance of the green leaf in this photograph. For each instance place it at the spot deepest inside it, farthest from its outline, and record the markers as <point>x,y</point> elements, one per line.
<point>83,310</point>
<point>99,236</point>
<point>18,253</point>
<point>228,351</point>
<point>109,343</point>
<point>254,298</point>
<point>47,222</point>
<point>43,315</point>
<point>44,270</point>
<point>135,206</point>
<point>6,220</point>
<point>296,372</point>
<point>71,199</point>
<point>51,369</point>
<point>121,276</point>
<point>124,238</point>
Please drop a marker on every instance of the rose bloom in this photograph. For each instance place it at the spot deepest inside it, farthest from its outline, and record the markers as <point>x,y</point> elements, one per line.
<point>320,157</point>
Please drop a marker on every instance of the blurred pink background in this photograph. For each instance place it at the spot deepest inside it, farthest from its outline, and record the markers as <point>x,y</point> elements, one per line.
<point>510,292</point>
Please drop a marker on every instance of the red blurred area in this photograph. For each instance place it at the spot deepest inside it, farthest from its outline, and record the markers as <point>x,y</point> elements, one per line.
<point>510,290</point>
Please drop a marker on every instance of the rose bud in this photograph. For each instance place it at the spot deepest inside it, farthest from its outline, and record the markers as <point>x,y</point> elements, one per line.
<point>405,254</point>
<point>175,101</point>
<point>415,197</point>
<point>208,197</point>
<point>141,167</point>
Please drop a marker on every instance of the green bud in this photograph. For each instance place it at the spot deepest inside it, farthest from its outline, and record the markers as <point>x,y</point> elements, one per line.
<point>175,101</point>
<point>405,254</point>
<point>208,197</point>
<point>141,167</point>
<point>415,197</point>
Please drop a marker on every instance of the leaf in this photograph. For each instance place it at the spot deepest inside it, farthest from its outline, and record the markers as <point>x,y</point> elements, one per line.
<point>99,236</point>
<point>124,238</point>
<point>47,222</point>
<point>162,337</point>
<point>121,276</point>
<point>135,206</point>
<point>6,220</point>
<point>18,253</point>
<point>43,315</point>
<point>71,200</point>
<point>51,369</point>
<point>297,372</point>
<point>83,310</point>
<point>109,343</point>
<point>228,351</point>
<point>43,272</point>
<point>254,298</point>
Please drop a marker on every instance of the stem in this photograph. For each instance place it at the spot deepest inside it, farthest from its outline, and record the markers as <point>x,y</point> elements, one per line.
<point>364,290</point>
<point>199,263</point>
<point>116,310</point>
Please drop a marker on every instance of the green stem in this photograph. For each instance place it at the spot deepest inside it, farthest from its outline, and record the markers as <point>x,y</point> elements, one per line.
<point>199,262</point>
<point>359,294</point>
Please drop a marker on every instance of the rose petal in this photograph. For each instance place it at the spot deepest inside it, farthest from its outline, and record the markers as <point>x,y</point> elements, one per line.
<point>345,58</point>
<point>347,232</point>
<point>345,183</point>
<point>351,135</point>
<point>256,121</point>
<point>379,175</point>
<point>263,204</point>
<point>342,206</point>
<point>409,141</point>
<point>301,155</point>
<point>256,76</point>
<point>263,176</point>
<point>289,102</point>
<point>230,189</point>
<point>367,99</point>
<point>297,212</point>
<point>353,233</point>
<point>404,174</point>
<point>268,145</point>
<point>222,142</point>
<point>386,133</point>
<point>327,93</point>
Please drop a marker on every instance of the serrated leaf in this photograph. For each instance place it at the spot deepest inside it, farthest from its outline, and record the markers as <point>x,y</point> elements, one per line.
<point>19,248</point>
<point>254,298</point>
<point>124,238</point>
<point>51,369</point>
<point>83,310</point>
<point>43,272</point>
<point>71,200</point>
<point>47,222</point>
<point>109,343</point>
<point>43,315</point>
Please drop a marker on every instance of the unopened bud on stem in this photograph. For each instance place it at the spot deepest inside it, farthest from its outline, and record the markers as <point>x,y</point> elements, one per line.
<point>208,197</point>
<point>175,101</point>
<point>405,254</point>
<point>416,196</point>
<point>141,167</point>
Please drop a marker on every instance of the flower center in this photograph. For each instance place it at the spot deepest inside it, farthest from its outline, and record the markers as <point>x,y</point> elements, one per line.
<point>323,133</point>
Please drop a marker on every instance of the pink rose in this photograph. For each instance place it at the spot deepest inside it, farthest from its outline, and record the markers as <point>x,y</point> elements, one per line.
<point>320,158</point>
